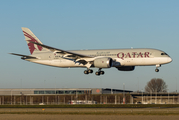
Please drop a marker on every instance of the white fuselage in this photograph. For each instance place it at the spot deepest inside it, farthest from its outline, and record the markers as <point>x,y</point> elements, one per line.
<point>126,57</point>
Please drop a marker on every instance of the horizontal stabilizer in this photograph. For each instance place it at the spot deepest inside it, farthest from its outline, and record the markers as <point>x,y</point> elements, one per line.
<point>24,56</point>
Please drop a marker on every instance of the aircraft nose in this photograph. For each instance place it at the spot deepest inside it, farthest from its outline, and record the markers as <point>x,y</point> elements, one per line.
<point>169,59</point>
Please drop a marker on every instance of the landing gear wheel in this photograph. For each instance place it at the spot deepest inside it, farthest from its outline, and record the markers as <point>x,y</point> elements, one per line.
<point>86,72</point>
<point>101,72</point>
<point>156,70</point>
<point>90,71</point>
<point>97,73</point>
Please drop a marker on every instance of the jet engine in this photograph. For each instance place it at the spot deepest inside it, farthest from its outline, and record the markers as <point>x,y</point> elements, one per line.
<point>104,62</point>
<point>126,68</point>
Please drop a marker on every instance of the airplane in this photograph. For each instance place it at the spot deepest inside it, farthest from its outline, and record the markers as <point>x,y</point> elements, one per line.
<point>122,59</point>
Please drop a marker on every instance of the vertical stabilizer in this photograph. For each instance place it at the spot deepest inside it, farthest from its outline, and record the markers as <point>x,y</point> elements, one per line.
<point>29,36</point>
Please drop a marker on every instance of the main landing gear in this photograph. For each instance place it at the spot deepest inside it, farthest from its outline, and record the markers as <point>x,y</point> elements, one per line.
<point>99,72</point>
<point>88,71</point>
<point>157,66</point>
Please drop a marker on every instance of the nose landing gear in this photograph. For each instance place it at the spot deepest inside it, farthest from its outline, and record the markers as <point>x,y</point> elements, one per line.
<point>156,70</point>
<point>157,66</point>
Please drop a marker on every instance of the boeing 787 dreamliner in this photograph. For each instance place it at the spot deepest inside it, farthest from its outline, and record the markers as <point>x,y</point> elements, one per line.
<point>122,59</point>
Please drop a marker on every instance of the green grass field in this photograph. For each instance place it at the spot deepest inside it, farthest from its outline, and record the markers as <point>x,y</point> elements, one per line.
<point>95,106</point>
<point>92,111</point>
<point>98,109</point>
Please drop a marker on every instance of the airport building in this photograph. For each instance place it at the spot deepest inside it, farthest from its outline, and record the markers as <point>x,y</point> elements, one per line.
<point>61,91</point>
<point>98,95</point>
<point>59,96</point>
<point>155,97</point>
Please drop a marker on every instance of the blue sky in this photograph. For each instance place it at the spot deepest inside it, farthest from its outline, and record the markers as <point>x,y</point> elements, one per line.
<point>93,24</point>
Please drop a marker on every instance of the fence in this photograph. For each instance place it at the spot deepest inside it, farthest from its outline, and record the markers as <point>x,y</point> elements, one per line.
<point>63,99</point>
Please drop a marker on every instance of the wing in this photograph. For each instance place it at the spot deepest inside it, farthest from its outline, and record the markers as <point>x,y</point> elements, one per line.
<point>83,59</point>
<point>24,56</point>
<point>62,51</point>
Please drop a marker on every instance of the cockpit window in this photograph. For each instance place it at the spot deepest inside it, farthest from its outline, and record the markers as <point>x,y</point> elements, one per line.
<point>164,54</point>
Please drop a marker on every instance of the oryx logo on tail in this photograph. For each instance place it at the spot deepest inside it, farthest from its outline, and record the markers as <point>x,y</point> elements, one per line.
<point>31,45</point>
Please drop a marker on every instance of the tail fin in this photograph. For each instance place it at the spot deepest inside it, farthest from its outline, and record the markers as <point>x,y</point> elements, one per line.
<point>29,36</point>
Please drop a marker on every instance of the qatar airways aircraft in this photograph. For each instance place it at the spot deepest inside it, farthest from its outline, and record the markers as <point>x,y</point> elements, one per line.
<point>122,59</point>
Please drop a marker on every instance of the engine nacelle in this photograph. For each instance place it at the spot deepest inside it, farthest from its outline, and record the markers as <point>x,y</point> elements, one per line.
<point>104,62</point>
<point>126,68</point>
